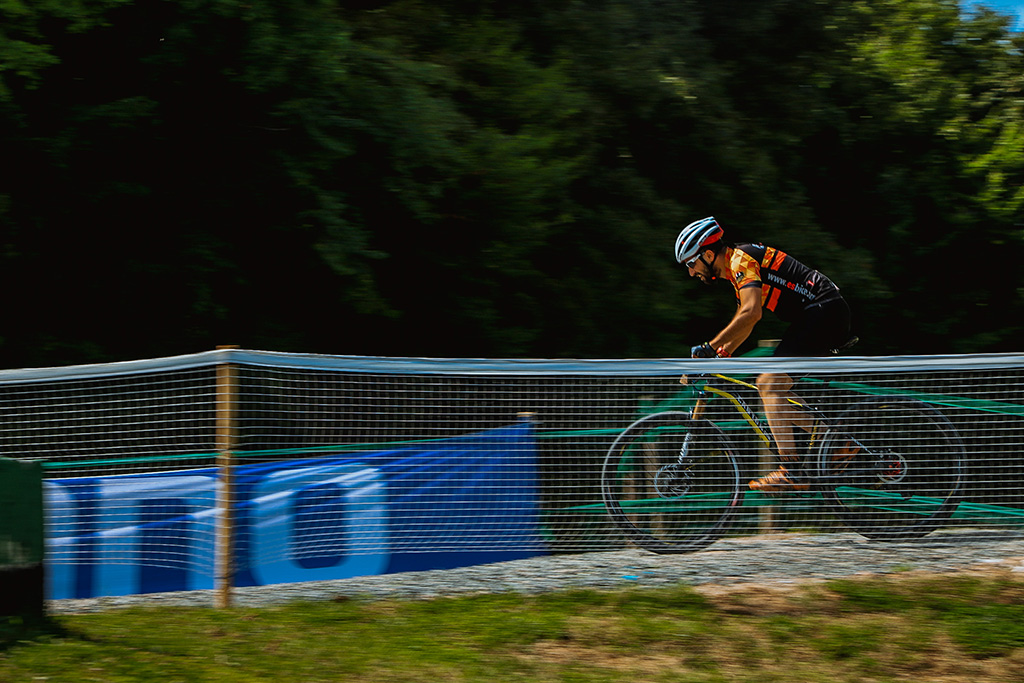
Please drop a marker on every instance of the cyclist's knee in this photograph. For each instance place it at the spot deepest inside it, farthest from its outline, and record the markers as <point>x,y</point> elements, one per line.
<point>773,383</point>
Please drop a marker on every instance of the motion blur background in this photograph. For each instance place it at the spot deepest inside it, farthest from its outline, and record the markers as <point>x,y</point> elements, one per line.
<point>498,178</point>
<point>1012,8</point>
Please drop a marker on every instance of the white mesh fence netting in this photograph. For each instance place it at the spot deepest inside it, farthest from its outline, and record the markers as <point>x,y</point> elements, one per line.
<point>349,465</point>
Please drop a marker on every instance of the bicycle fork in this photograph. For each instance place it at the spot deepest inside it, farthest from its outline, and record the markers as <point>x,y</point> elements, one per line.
<point>695,414</point>
<point>684,450</point>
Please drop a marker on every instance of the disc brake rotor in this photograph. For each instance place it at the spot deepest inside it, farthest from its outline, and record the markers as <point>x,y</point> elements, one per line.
<point>672,481</point>
<point>891,468</point>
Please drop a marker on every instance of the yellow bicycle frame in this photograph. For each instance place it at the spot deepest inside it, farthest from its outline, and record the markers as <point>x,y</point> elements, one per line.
<point>741,407</point>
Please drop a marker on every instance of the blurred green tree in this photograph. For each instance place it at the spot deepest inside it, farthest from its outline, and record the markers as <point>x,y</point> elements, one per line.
<point>496,178</point>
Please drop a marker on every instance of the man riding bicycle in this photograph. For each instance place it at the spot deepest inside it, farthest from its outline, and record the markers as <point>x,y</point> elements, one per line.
<point>767,278</point>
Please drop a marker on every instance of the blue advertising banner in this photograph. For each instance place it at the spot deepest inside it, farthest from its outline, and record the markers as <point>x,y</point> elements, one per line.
<point>442,504</point>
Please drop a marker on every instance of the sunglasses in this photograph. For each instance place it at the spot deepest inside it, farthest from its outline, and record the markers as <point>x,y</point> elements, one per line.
<point>692,263</point>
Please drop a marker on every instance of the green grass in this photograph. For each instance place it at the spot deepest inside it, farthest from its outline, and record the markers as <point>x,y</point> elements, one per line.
<point>984,617</point>
<point>903,628</point>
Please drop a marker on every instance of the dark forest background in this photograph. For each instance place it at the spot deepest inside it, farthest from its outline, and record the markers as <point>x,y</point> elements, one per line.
<point>497,178</point>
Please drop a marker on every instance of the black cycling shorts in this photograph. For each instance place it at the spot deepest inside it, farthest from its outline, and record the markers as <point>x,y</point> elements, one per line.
<point>822,327</point>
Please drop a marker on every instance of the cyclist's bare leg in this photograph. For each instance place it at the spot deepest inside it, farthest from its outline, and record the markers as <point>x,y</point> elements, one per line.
<point>781,414</point>
<point>783,418</point>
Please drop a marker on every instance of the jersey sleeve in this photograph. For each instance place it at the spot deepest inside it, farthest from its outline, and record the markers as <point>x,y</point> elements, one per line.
<point>744,270</point>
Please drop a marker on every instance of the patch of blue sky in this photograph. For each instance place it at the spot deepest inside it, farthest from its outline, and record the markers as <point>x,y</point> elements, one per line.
<point>1013,8</point>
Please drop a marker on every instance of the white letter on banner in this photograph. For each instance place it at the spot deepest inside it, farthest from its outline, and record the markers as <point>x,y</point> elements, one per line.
<point>119,547</point>
<point>356,534</point>
<point>60,512</point>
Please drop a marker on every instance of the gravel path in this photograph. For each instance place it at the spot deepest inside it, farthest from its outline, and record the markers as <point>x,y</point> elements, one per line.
<point>775,559</point>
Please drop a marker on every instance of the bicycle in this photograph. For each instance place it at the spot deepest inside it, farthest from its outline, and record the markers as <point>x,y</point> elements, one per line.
<point>889,467</point>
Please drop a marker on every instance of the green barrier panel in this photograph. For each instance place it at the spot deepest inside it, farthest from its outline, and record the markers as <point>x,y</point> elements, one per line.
<point>684,399</point>
<point>976,404</point>
<point>964,511</point>
<point>21,538</point>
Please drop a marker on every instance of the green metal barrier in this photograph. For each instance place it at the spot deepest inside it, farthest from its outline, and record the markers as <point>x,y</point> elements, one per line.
<point>21,538</point>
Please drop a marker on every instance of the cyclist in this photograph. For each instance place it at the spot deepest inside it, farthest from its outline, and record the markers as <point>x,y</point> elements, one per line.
<point>768,278</point>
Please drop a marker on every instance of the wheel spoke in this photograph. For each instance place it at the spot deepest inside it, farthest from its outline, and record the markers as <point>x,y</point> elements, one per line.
<point>892,467</point>
<point>672,483</point>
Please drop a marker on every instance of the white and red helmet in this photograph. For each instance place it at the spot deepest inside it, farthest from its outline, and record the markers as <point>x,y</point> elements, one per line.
<point>695,238</point>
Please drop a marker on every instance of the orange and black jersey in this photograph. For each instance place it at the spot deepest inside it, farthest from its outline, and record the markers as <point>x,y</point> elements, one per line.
<point>787,286</point>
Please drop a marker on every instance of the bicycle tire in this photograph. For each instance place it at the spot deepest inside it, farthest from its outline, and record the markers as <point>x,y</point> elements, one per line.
<point>665,499</point>
<point>892,468</point>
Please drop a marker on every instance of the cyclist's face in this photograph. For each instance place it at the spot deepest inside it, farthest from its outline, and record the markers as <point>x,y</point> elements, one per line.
<point>700,269</point>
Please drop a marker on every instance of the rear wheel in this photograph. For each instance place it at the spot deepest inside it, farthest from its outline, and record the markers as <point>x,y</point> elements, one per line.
<point>892,468</point>
<point>672,484</point>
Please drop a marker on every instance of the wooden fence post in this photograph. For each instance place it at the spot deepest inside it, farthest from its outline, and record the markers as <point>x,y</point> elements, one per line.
<point>227,397</point>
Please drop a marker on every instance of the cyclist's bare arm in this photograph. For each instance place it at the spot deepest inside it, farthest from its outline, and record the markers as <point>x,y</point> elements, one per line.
<point>748,313</point>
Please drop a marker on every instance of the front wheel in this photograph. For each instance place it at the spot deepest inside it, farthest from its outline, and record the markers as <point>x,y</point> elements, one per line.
<point>672,484</point>
<point>893,468</point>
